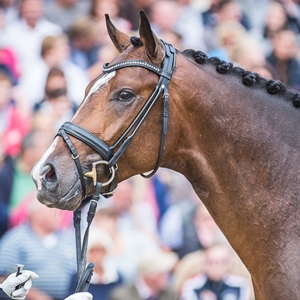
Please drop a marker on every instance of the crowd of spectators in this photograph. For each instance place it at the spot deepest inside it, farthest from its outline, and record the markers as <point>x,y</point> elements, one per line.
<point>153,239</point>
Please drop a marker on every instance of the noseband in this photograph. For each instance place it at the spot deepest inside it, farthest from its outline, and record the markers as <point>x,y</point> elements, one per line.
<point>110,157</point>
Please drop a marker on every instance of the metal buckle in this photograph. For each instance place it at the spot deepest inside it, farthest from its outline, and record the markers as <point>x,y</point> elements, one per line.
<point>75,157</point>
<point>93,173</point>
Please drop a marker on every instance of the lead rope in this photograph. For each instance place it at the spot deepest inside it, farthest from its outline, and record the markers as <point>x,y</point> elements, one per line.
<point>84,272</point>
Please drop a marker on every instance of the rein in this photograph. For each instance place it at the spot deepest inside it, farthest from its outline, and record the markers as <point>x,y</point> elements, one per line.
<point>110,157</point>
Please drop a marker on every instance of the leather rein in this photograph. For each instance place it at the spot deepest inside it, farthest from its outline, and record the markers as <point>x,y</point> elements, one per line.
<point>109,153</point>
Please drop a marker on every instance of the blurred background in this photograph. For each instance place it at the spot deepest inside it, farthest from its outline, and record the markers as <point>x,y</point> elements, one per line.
<point>153,239</point>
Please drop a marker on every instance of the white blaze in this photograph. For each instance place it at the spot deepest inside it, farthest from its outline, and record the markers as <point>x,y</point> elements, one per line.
<point>36,170</point>
<point>101,81</point>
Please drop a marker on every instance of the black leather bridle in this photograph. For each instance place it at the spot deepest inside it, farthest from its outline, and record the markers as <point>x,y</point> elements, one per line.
<point>109,153</point>
<point>110,157</point>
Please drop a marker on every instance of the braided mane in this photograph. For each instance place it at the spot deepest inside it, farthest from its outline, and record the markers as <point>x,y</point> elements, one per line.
<point>251,79</point>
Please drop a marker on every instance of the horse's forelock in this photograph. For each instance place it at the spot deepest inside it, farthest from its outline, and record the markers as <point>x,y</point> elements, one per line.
<point>136,41</point>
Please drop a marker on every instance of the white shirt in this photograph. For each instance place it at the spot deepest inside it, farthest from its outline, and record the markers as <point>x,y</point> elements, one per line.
<point>193,285</point>
<point>33,81</point>
<point>26,41</point>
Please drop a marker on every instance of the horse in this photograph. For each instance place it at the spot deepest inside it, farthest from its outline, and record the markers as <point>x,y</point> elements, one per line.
<point>233,134</point>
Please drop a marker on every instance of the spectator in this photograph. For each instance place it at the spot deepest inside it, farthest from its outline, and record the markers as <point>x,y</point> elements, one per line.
<point>21,214</point>
<point>106,277</point>
<point>248,53</point>
<point>222,11</point>
<point>129,10</point>
<point>106,50</point>
<point>133,213</point>
<point>228,35</point>
<point>153,279</point>
<point>41,247</point>
<point>255,11</point>
<point>34,144</point>
<point>55,52</point>
<point>9,10</point>
<point>216,281</point>
<point>195,229</point>
<point>173,37</point>
<point>187,267</point>
<point>292,8</point>
<point>128,244</point>
<point>231,10</point>
<point>163,15</point>
<point>189,25</point>
<point>30,29</point>
<point>292,11</point>
<point>56,102</point>
<point>276,19</point>
<point>9,60</point>
<point>162,183</point>
<point>65,12</point>
<point>156,192</point>
<point>83,36</point>
<point>98,10</point>
<point>14,123</point>
<point>209,15</point>
<point>106,54</point>
<point>2,17</point>
<point>284,58</point>
<point>6,178</point>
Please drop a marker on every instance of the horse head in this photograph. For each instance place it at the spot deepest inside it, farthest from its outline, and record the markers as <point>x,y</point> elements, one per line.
<point>118,105</point>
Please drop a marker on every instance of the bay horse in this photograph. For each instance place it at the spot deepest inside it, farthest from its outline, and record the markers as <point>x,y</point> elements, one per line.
<point>233,134</point>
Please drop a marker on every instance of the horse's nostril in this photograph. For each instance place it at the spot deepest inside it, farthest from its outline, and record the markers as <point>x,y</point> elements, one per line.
<point>50,175</point>
<point>45,170</point>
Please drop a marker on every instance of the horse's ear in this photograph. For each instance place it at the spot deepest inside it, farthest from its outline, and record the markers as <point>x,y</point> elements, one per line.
<point>121,40</point>
<point>153,46</point>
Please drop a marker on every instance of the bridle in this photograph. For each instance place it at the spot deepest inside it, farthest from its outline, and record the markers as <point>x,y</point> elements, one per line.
<point>111,154</point>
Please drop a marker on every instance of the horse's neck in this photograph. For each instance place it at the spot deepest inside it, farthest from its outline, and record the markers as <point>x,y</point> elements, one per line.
<point>241,151</point>
<point>236,136</point>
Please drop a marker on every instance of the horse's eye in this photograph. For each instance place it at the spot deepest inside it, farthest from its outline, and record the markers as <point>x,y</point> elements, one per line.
<point>125,96</point>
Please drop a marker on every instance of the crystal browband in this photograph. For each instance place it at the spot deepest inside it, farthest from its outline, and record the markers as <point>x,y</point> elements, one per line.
<point>136,63</point>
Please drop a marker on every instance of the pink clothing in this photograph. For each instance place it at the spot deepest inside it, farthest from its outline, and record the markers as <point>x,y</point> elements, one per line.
<point>20,214</point>
<point>17,127</point>
<point>9,59</point>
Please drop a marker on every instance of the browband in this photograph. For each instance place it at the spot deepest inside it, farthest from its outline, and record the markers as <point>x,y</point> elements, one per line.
<point>136,63</point>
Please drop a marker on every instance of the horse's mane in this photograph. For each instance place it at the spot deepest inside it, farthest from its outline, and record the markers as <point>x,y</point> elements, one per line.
<point>250,79</point>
